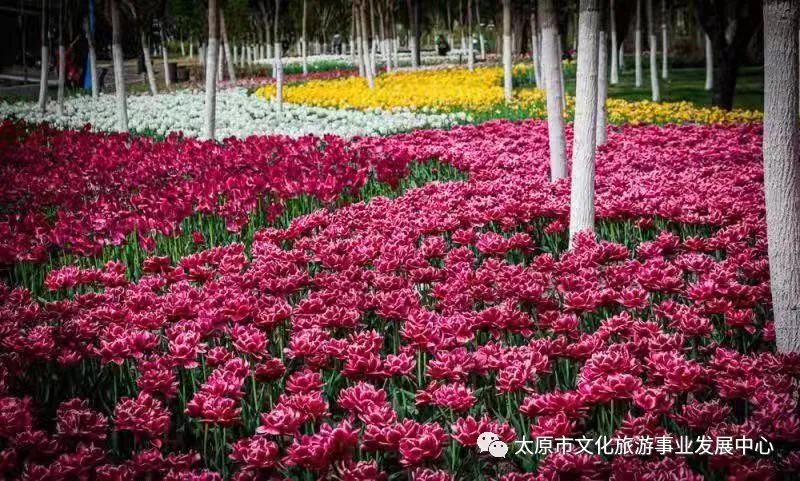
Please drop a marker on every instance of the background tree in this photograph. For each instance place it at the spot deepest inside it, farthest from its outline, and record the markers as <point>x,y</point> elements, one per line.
<point>45,59</point>
<point>62,57</point>
<point>581,210</point>
<point>119,65</point>
<point>782,168</point>
<point>507,69</point>
<point>602,74</point>
<point>212,57</point>
<point>637,43</point>
<point>652,40</point>
<point>551,70</point>
<point>730,24</point>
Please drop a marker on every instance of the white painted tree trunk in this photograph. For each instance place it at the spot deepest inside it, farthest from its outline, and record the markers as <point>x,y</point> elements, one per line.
<point>92,58</point>
<point>664,40</point>
<point>537,64</point>
<point>614,46</point>
<point>370,73</point>
<point>303,40</point>
<point>551,73</point>
<point>278,64</point>
<point>561,74</point>
<point>229,59</point>
<point>507,71</point>
<point>148,63</point>
<point>45,61</point>
<point>782,168</point>
<point>278,67</point>
<point>119,68</point>
<point>62,77</point>
<point>62,60</point>
<point>602,83</point>
<point>183,48</point>
<point>652,40</point>
<point>221,61</point>
<point>638,45</point>
<point>470,52</point>
<point>212,51</point>
<point>191,50</point>
<point>709,64</point>
<point>165,56</point>
<point>373,56</point>
<point>581,212</point>
<point>621,57</point>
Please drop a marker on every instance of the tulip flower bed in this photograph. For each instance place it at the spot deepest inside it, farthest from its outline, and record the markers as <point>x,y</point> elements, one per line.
<point>238,114</point>
<point>480,93</point>
<point>378,340</point>
<point>83,193</point>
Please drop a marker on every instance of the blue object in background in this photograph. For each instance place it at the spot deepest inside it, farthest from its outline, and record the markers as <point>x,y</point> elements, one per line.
<point>87,76</point>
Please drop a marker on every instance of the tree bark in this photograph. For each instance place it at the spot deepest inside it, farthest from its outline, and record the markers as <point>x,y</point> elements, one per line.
<point>278,63</point>
<point>231,62</point>
<point>651,34</point>
<point>664,40</point>
<point>537,65</point>
<point>581,212</point>
<point>470,53</point>
<point>92,57</point>
<point>638,44</point>
<point>119,67</point>
<point>782,168</point>
<point>45,60</point>
<point>362,72</point>
<point>165,54</point>
<point>551,70</point>
<point>602,76</point>
<point>416,33</point>
<point>481,39</point>
<point>709,64</point>
<point>614,46</point>
<point>212,53</point>
<point>372,35</point>
<point>368,66</point>
<point>148,62</point>
<point>507,71</point>
<point>303,40</point>
<point>62,59</point>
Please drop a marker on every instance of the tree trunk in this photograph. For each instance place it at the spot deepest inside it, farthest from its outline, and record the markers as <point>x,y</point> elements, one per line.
<point>651,35</point>
<point>368,66</point>
<point>602,76</point>
<point>782,168</point>
<point>470,53</point>
<point>537,65</point>
<point>148,62</point>
<point>664,40</point>
<point>561,73</point>
<point>614,46</point>
<point>416,59</point>
<point>92,57</point>
<point>709,63</point>
<point>725,78</point>
<point>362,71</point>
<point>231,62</point>
<point>481,39</point>
<point>507,73</point>
<point>551,70</point>
<point>278,64</point>
<point>581,212</point>
<point>303,40</point>
<point>165,55</point>
<point>638,44</point>
<point>372,35</point>
<point>62,59</point>
<point>212,53</point>
<point>45,60</point>
<point>191,49</point>
<point>119,67</point>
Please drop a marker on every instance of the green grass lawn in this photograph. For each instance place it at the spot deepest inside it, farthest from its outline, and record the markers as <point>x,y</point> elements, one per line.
<point>687,84</point>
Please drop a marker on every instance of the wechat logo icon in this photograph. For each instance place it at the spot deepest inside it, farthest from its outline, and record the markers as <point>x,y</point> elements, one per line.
<point>491,443</point>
